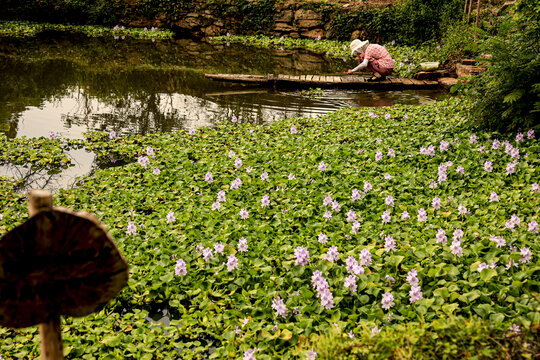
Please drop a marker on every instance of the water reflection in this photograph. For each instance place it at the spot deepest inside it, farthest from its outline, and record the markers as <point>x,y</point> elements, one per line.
<point>72,84</point>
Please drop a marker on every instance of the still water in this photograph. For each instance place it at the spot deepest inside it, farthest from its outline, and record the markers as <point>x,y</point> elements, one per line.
<point>69,85</point>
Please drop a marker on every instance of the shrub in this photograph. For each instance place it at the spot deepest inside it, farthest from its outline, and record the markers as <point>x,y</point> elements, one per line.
<point>507,94</point>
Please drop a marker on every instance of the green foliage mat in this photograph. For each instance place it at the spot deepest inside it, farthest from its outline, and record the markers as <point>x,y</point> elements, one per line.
<point>388,167</point>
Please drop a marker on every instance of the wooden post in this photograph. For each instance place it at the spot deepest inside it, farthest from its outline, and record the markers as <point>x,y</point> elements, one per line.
<point>50,335</point>
<point>49,332</point>
<point>469,12</point>
<point>465,9</point>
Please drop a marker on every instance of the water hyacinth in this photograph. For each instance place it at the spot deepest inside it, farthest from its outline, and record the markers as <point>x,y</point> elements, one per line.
<point>131,229</point>
<point>180,267</point>
<point>293,129</point>
<point>412,277</point>
<point>367,186</point>
<point>460,170</point>
<point>279,307</point>
<point>444,146</point>
<point>499,240</point>
<point>322,238</point>
<point>232,263</point>
<point>351,216</point>
<point>493,196</point>
<point>526,255</point>
<point>333,254</point>
<point>311,355</point>
<point>355,227</point>
<point>456,248</point>
<point>356,195</point>
<point>353,267</point>
<point>291,177</point>
<point>405,215</point>
<point>488,167</point>
<point>436,203</point>
<point>322,166</point>
<point>327,215</point>
<point>462,210</point>
<point>112,134</point>
<point>386,218</point>
<point>327,201</point>
<point>242,244</point>
<point>170,217</point>
<point>216,206</point>
<point>264,176</point>
<point>378,155</point>
<point>144,161</point>
<point>249,354</point>
<point>209,178</point>
<point>238,163</point>
<point>301,256</point>
<point>207,254</point>
<point>441,236</point>
<point>422,215</point>
<point>530,134</point>
<point>236,183</point>
<point>365,257</point>
<point>389,244</point>
<point>243,214</point>
<point>533,227</point>
<point>391,153</point>
<point>389,201</point>
<point>350,283</point>
<point>387,300</point>
<point>415,294</point>
<point>219,248</point>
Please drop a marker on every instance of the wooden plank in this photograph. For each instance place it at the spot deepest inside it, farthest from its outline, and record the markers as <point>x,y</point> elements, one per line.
<point>407,81</point>
<point>317,78</point>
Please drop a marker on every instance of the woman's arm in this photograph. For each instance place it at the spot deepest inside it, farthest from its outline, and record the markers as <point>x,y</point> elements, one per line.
<point>361,66</point>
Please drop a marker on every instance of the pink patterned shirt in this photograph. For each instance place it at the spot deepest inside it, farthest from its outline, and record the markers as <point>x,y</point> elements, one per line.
<point>378,52</point>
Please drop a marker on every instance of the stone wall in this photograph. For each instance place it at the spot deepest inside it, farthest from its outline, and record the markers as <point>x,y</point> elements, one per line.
<point>288,18</point>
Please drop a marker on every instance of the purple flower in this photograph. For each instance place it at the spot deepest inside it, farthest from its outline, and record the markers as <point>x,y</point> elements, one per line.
<point>499,240</point>
<point>319,37</point>
<point>335,206</point>
<point>530,134</point>
<point>207,254</point>
<point>156,171</point>
<point>242,244</point>
<point>1,216</point>
<point>327,200</point>
<point>511,167</point>
<point>488,166</point>
<point>375,331</point>
<point>365,257</point>
<point>322,238</point>
<point>216,206</point>
<point>456,248</point>
<point>367,186</point>
<point>458,234</point>
<point>322,166</point>
<point>515,330</point>
<point>243,214</point>
<point>180,267</point>
<point>219,248</point>
<point>387,116</point>
<point>378,155</point>
<point>441,236</point>
<point>232,263</point>
<point>493,197</point>
<point>149,151</point>
<point>405,215</point>
<point>462,210</point>
<point>236,183</point>
<point>191,131</point>
<point>355,227</point>
<point>302,255</point>
<point>221,196</point>
<point>442,173</point>
<point>355,196</point>
<point>143,161</point>
<point>386,218</point>
<point>460,170</point>
<point>389,244</point>
<point>238,163</point>
<point>392,154</point>
<point>535,187</point>
<point>170,217</point>
<point>422,215</point>
<point>327,215</point>
<point>293,129</point>
<point>432,184</point>
<point>350,283</point>
<point>112,134</point>
<point>265,201</point>
<point>412,277</point>
<point>351,216</point>
<point>387,301</point>
<point>332,254</point>
<point>208,177</point>
<point>279,307</point>
<point>264,176</point>
<point>482,266</point>
<point>519,137</point>
<point>131,229</point>
<point>291,176</point>
<point>389,201</point>
<point>415,294</point>
<point>533,227</point>
<point>444,145</point>
<point>249,354</point>
<point>473,139</point>
<point>353,267</point>
<point>436,203</point>
<point>311,355</point>
<point>526,255</point>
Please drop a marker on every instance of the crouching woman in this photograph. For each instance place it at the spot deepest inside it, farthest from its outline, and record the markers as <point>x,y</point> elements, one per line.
<point>372,57</point>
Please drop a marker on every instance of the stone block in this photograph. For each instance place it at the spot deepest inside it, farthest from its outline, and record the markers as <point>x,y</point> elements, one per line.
<point>283,27</point>
<point>447,82</point>
<point>308,24</point>
<point>303,14</point>
<point>285,16</point>
<point>430,75</point>
<point>468,70</point>
<point>313,34</point>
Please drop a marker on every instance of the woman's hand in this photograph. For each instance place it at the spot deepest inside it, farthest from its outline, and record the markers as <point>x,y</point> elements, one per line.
<point>349,71</point>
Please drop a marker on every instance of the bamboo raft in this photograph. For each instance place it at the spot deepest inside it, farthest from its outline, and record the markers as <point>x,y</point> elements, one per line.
<point>344,81</point>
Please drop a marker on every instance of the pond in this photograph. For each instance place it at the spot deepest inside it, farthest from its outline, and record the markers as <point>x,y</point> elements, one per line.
<point>67,85</point>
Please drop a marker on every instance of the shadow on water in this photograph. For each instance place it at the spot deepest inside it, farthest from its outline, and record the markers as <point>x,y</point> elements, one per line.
<point>72,84</point>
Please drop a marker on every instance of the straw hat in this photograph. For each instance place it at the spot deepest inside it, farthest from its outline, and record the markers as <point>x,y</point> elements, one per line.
<point>357,45</point>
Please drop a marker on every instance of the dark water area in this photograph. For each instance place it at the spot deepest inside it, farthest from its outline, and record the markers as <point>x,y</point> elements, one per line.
<point>71,84</point>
